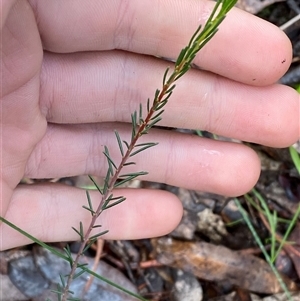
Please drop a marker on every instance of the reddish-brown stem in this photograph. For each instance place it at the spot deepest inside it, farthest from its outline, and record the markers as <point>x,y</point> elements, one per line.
<point>115,177</point>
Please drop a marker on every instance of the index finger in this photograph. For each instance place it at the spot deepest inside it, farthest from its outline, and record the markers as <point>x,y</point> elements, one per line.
<point>240,50</point>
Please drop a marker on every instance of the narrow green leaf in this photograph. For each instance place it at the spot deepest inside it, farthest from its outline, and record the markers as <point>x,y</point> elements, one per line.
<point>157,115</point>
<point>181,56</point>
<point>160,104</point>
<point>58,292</point>
<point>125,180</point>
<point>119,287</point>
<point>171,89</point>
<point>295,158</point>
<point>114,203</point>
<point>134,174</point>
<point>260,244</point>
<point>67,249</point>
<point>199,133</point>
<point>77,232</point>
<point>129,163</point>
<point>96,185</point>
<point>133,132</point>
<point>82,265</point>
<point>126,143</point>
<point>148,105</point>
<point>88,245</point>
<point>111,196</point>
<point>163,101</point>
<point>145,143</point>
<point>110,166</point>
<point>115,198</point>
<point>81,229</point>
<point>228,5</point>
<point>109,159</point>
<point>156,94</point>
<point>80,232</point>
<point>133,125</point>
<point>98,235</point>
<point>165,76</point>
<point>118,199</point>
<point>97,226</point>
<point>291,225</point>
<point>119,143</point>
<point>145,131</point>
<point>108,199</point>
<point>184,70</point>
<point>62,280</point>
<point>273,223</point>
<point>88,209</point>
<point>214,11</point>
<point>141,114</point>
<point>134,118</point>
<point>151,124</point>
<point>194,36</point>
<point>143,148</point>
<point>106,182</point>
<point>108,204</point>
<point>89,200</point>
<point>68,254</point>
<point>104,204</point>
<point>209,37</point>
<point>78,274</point>
<point>167,96</point>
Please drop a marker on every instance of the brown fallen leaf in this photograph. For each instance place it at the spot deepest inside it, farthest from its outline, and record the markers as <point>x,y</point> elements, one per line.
<point>218,263</point>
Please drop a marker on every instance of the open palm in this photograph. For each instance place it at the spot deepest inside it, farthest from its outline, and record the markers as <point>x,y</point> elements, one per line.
<point>74,71</point>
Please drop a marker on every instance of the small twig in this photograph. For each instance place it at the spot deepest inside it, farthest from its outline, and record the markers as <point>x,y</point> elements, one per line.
<point>289,23</point>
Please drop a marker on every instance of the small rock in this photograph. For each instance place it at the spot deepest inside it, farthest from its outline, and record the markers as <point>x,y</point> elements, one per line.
<point>24,274</point>
<point>53,266</point>
<point>187,227</point>
<point>36,274</point>
<point>8,292</point>
<point>232,212</point>
<point>186,287</point>
<point>154,281</point>
<point>211,225</point>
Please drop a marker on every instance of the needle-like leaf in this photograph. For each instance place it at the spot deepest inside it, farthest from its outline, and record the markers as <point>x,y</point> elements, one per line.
<point>147,145</point>
<point>119,143</point>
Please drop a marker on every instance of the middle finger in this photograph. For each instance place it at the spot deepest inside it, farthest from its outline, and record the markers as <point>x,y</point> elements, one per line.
<point>109,86</point>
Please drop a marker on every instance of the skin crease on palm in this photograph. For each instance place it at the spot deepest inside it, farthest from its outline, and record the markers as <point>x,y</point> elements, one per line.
<point>73,72</point>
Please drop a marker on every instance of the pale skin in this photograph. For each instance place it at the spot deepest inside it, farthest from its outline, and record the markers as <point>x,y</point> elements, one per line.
<point>73,72</point>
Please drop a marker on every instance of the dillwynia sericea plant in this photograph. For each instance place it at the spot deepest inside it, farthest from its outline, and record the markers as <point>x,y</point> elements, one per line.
<point>140,126</point>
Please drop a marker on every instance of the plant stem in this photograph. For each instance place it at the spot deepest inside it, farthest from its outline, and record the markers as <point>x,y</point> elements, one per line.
<point>115,177</point>
<point>182,65</point>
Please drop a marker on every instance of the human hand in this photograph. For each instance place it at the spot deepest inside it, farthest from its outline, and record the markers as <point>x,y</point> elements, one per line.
<point>73,72</point>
